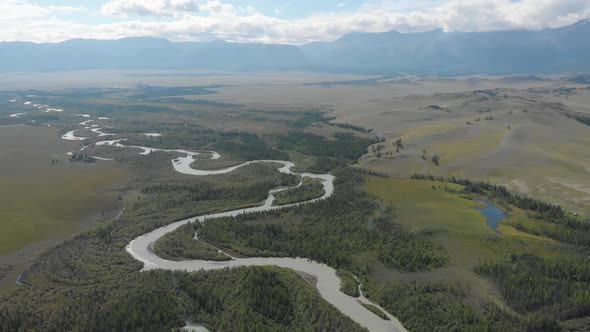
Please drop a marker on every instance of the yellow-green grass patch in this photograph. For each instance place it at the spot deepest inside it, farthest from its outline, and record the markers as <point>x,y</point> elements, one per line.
<point>431,129</point>
<point>42,195</point>
<point>426,204</point>
<point>53,203</point>
<point>478,143</point>
<point>463,232</point>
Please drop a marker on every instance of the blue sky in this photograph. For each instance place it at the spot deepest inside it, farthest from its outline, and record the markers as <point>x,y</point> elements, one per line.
<point>301,8</point>
<point>283,9</point>
<point>286,9</point>
<point>267,21</point>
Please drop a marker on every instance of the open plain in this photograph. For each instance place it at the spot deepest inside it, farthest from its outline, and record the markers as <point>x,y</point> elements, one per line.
<point>45,198</point>
<point>526,132</point>
<point>403,231</point>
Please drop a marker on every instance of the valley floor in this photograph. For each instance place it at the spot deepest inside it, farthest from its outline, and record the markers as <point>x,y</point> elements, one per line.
<point>418,247</point>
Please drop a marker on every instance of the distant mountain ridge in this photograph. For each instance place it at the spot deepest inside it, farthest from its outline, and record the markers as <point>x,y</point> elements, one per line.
<point>546,51</point>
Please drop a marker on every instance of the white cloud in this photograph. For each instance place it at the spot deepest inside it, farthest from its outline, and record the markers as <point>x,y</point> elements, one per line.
<point>158,8</point>
<point>189,20</point>
<point>217,7</point>
<point>14,10</point>
<point>480,15</point>
<point>66,9</point>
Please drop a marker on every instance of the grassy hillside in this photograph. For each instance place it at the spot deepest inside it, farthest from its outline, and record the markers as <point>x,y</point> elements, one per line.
<point>476,289</point>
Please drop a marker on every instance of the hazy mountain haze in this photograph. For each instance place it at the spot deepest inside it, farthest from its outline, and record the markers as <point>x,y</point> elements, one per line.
<point>498,52</point>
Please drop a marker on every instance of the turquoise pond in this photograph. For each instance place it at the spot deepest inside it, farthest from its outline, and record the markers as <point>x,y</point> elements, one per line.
<point>493,214</point>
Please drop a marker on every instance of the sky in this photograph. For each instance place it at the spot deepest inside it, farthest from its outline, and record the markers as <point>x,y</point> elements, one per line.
<point>272,21</point>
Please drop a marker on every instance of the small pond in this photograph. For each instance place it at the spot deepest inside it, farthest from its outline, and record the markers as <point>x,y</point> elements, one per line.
<point>492,213</point>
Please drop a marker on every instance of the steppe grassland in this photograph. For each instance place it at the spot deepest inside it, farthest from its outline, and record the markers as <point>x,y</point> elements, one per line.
<point>42,201</point>
<point>544,153</point>
<point>523,141</point>
<point>131,78</point>
<point>529,145</point>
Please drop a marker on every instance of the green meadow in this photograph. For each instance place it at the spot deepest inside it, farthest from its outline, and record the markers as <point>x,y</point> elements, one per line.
<point>45,197</point>
<point>425,204</point>
<point>52,204</point>
<point>460,228</point>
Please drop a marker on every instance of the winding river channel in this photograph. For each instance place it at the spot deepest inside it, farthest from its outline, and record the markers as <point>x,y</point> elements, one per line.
<point>328,283</point>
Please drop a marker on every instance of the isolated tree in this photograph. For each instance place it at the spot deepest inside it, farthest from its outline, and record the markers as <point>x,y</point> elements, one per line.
<point>436,159</point>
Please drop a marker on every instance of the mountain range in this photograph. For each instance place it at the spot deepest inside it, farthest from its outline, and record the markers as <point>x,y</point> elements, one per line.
<point>546,51</point>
